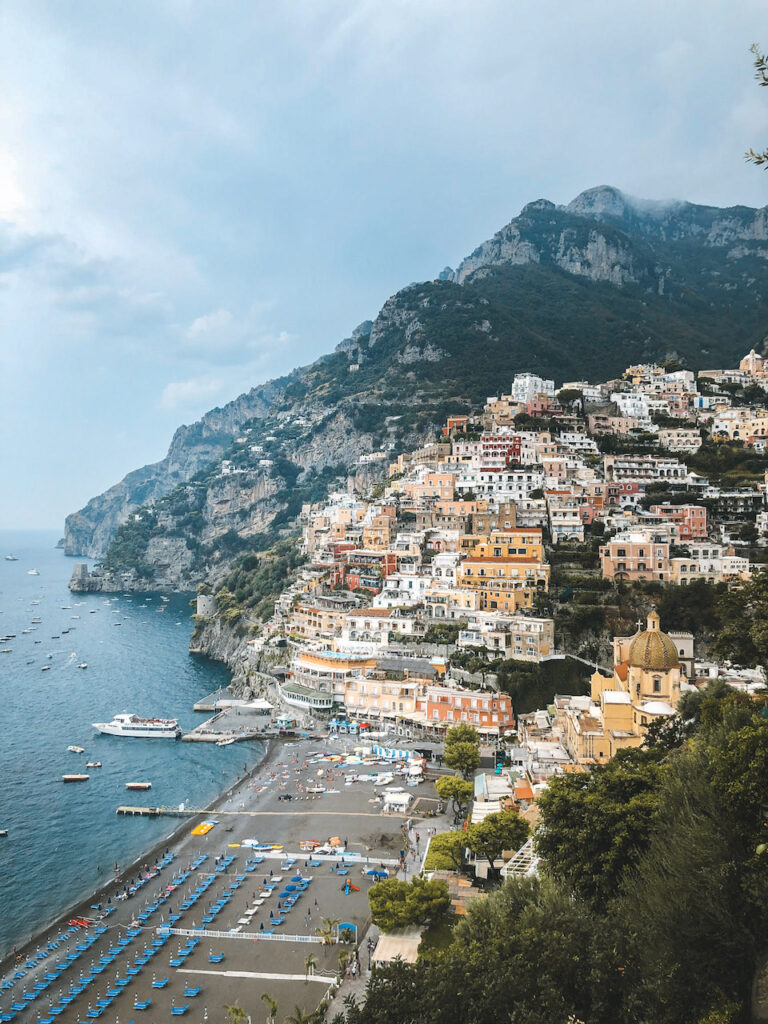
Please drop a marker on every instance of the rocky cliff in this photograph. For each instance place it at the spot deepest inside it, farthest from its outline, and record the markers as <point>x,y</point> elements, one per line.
<point>571,292</point>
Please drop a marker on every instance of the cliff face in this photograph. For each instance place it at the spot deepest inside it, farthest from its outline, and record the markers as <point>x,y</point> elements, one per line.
<point>568,292</point>
<point>90,530</point>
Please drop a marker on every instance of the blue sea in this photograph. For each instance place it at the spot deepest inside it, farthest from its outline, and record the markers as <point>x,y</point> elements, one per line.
<point>135,647</point>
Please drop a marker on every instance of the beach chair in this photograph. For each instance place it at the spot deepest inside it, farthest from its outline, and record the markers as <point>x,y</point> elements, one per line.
<point>192,991</point>
<point>160,983</point>
<point>143,1004</point>
<point>216,958</point>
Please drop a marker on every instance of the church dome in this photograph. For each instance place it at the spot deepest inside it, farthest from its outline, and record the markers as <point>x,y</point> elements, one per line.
<point>653,650</point>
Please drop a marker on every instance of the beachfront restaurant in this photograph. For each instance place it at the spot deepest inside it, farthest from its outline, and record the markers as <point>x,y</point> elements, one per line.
<point>304,697</point>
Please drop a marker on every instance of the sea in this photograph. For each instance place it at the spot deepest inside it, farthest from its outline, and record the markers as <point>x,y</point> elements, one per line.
<point>64,839</point>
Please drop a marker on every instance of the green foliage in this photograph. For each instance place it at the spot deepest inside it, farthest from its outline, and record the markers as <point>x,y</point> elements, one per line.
<point>728,464</point>
<point>398,904</point>
<point>595,825</point>
<point>446,852</point>
<point>443,632</point>
<point>505,830</point>
<point>743,612</point>
<point>462,757</point>
<point>458,791</point>
<point>129,546</point>
<point>461,733</point>
<point>258,579</point>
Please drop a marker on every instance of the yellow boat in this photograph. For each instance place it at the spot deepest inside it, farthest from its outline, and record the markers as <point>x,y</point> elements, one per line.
<point>202,829</point>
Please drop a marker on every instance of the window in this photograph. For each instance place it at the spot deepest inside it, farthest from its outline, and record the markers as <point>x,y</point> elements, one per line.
<point>656,685</point>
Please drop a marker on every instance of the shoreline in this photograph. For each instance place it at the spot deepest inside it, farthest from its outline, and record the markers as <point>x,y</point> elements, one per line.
<point>82,907</point>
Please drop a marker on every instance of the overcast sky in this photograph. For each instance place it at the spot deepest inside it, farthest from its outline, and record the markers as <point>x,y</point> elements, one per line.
<point>197,195</point>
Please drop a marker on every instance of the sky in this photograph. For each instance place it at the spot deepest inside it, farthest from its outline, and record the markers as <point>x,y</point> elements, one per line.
<point>198,195</point>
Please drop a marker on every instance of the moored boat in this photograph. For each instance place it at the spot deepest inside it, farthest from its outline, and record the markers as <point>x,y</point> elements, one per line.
<point>75,749</point>
<point>138,785</point>
<point>140,728</point>
<point>75,778</point>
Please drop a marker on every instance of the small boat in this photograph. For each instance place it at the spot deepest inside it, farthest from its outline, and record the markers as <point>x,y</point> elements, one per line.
<point>84,664</point>
<point>138,785</point>
<point>94,610</point>
<point>76,750</point>
<point>66,607</point>
<point>225,742</point>
<point>75,778</point>
<point>11,558</point>
<point>46,668</point>
<point>3,833</point>
<point>6,650</point>
<point>93,764</point>
<point>117,623</point>
<point>33,572</point>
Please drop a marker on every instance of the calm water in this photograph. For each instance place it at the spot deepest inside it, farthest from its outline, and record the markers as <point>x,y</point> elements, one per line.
<point>58,834</point>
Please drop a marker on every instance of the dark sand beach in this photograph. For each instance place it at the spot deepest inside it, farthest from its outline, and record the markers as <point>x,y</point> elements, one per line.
<point>240,966</point>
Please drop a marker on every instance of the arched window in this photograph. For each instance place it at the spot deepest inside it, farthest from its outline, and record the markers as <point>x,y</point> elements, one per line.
<point>656,684</point>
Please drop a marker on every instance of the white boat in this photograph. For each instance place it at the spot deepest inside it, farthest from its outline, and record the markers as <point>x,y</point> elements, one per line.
<point>83,665</point>
<point>11,558</point>
<point>225,742</point>
<point>76,750</point>
<point>140,728</point>
<point>33,572</point>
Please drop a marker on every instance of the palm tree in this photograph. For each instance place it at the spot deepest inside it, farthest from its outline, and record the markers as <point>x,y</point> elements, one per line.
<point>326,930</point>
<point>309,965</point>
<point>271,1005</point>
<point>236,1014</point>
<point>344,956</point>
<point>299,1017</point>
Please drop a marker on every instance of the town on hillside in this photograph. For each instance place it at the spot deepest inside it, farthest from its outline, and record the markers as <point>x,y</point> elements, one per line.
<point>505,574</point>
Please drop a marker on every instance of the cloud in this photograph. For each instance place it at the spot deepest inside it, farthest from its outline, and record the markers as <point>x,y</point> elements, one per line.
<point>210,324</point>
<point>186,394</point>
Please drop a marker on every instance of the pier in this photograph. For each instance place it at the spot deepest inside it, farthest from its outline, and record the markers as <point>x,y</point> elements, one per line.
<point>238,721</point>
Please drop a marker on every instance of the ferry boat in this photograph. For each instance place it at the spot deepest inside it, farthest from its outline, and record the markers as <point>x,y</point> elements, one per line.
<point>142,728</point>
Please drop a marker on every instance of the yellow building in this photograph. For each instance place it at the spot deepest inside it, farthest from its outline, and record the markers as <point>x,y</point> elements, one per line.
<point>644,688</point>
<point>505,568</point>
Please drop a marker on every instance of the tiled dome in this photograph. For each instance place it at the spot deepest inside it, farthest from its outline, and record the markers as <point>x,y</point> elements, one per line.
<point>653,650</point>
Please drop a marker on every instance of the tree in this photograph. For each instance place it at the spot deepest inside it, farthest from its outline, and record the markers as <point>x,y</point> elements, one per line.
<point>457,790</point>
<point>761,74</point>
<point>462,757</point>
<point>271,1005</point>
<point>235,1014</point>
<point>397,904</point>
<point>310,963</point>
<point>461,733</point>
<point>388,900</point>
<point>743,610</point>
<point>596,825</point>
<point>427,901</point>
<point>446,852</point>
<point>327,928</point>
<point>505,830</point>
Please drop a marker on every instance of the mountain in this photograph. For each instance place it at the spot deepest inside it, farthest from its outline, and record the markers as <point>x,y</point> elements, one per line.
<point>577,291</point>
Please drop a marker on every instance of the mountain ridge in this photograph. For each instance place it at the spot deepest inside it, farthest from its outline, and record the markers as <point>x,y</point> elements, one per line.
<point>566,291</point>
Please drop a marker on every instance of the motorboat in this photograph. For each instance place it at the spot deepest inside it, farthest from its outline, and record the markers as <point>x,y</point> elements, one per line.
<point>75,778</point>
<point>33,572</point>
<point>76,750</point>
<point>93,764</point>
<point>138,785</point>
<point>11,558</point>
<point>83,664</point>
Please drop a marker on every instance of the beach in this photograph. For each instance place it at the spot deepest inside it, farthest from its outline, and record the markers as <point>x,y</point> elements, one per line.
<point>192,874</point>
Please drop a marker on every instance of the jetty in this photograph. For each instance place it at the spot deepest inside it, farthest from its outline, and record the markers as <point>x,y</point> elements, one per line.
<point>232,720</point>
